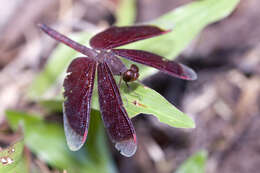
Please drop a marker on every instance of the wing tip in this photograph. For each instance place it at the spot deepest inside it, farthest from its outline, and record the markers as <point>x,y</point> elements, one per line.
<point>73,146</point>
<point>42,26</point>
<point>74,140</point>
<point>127,147</point>
<point>167,31</point>
<point>189,74</point>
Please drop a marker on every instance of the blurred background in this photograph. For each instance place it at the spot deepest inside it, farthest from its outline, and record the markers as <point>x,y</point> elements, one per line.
<point>224,102</point>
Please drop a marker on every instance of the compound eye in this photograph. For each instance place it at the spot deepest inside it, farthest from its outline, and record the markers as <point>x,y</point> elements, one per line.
<point>134,68</point>
<point>128,76</point>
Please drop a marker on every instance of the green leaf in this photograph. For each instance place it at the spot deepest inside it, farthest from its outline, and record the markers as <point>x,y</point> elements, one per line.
<point>194,164</point>
<point>145,100</point>
<point>12,159</point>
<point>186,23</point>
<point>48,142</point>
<point>126,12</point>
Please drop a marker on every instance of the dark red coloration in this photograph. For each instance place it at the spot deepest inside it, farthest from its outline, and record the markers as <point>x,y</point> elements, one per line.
<point>116,121</point>
<point>131,74</point>
<point>79,82</point>
<point>170,67</point>
<point>136,103</point>
<point>62,38</point>
<point>78,93</point>
<point>134,68</point>
<point>118,36</point>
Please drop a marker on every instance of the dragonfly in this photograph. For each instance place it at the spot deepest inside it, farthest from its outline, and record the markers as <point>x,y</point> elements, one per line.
<point>103,57</point>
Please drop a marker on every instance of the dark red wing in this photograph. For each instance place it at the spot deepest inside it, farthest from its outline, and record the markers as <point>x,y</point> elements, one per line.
<point>78,87</point>
<point>118,36</point>
<point>119,127</point>
<point>62,38</point>
<point>170,67</point>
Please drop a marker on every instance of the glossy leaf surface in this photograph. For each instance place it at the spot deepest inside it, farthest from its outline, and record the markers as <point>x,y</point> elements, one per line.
<point>78,87</point>
<point>145,100</point>
<point>117,36</point>
<point>170,67</point>
<point>119,127</point>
